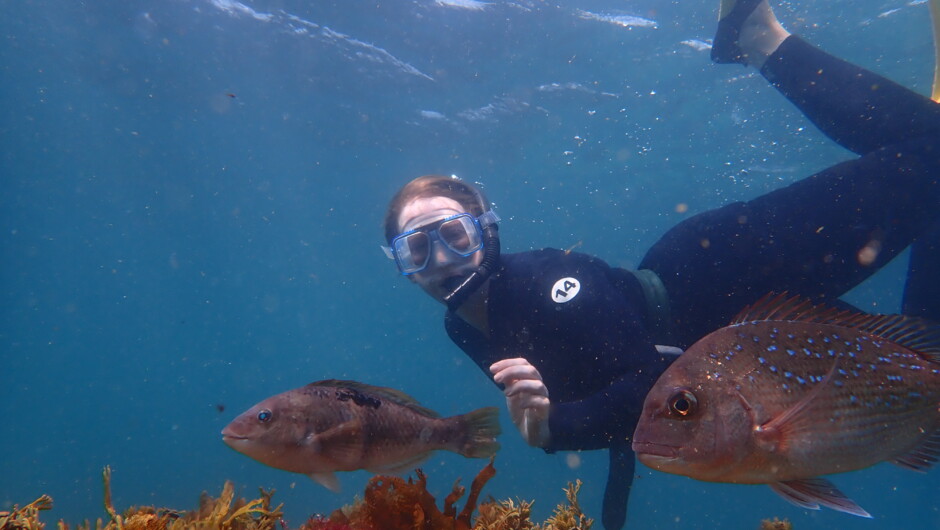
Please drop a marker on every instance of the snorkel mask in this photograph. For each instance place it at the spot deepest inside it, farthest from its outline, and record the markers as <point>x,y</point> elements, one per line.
<point>461,234</point>
<point>484,270</point>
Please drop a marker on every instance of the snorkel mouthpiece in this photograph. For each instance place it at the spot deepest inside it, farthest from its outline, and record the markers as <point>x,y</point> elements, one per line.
<point>475,279</point>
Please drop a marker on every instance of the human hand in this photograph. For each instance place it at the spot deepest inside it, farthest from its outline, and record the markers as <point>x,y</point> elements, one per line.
<point>526,398</point>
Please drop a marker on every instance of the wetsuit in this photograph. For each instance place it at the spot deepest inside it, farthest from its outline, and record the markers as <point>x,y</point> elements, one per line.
<point>593,342</point>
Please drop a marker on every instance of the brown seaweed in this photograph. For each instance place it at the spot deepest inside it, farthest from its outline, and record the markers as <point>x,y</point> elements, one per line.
<point>776,524</point>
<point>27,517</point>
<point>388,503</point>
<point>393,503</point>
<point>213,513</point>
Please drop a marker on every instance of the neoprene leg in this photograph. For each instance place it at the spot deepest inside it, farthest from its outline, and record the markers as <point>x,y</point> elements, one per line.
<point>860,110</point>
<point>922,289</point>
<point>619,483</point>
<point>818,237</point>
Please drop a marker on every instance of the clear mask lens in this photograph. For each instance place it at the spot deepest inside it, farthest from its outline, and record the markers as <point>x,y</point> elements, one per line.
<point>460,234</point>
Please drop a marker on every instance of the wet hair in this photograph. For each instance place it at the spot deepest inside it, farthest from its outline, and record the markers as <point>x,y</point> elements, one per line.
<point>468,195</point>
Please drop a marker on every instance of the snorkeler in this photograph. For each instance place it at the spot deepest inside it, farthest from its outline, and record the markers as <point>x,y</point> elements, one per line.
<point>577,344</point>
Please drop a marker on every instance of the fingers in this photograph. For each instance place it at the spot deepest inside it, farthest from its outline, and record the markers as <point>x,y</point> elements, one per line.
<point>526,386</point>
<point>526,398</point>
<point>506,363</point>
<point>509,370</point>
<point>529,401</point>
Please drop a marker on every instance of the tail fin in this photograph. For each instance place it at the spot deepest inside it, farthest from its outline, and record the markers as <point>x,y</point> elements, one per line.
<point>481,428</point>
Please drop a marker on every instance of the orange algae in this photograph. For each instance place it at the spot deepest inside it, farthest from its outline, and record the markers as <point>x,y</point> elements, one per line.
<point>776,524</point>
<point>393,503</point>
<point>27,517</point>
<point>213,513</point>
<point>389,503</point>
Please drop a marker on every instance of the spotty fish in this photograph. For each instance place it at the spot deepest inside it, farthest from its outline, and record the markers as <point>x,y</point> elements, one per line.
<point>791,391</point>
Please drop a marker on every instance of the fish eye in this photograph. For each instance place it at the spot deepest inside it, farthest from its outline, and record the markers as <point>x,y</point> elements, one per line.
<point>265,416</point>
<point>683,404</point>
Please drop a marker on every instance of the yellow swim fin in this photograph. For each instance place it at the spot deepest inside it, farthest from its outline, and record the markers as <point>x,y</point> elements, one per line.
<point>935,20</point>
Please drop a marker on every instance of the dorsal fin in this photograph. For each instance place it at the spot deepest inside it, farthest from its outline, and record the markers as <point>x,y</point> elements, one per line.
<point>913,333</point>
<point>390,394</point>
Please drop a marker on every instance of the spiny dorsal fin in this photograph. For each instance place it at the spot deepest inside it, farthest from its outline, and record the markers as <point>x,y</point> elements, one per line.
<point>390,394</point>
<point>913,333</point>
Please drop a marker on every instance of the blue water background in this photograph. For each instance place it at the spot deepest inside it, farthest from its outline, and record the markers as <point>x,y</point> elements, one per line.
<point>193,193</point>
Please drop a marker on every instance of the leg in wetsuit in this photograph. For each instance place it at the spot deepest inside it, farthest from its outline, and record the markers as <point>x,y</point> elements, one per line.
<point>823,235</point>
<point>922,290</point>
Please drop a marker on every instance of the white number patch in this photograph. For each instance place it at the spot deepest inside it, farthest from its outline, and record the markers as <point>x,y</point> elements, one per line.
<point>565,290</point>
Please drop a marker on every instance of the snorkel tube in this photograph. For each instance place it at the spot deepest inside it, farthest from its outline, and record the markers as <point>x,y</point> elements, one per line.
<point>471,283</point>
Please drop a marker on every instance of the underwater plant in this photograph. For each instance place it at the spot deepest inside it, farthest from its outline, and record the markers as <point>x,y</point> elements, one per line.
<point>393,503</point>
<point>776,524</point>
<point>388,503</point>
<point>213,513</point>
<point>27,517</point>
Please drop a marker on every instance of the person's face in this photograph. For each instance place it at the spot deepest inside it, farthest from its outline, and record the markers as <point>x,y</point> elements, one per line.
<point>445,269</point>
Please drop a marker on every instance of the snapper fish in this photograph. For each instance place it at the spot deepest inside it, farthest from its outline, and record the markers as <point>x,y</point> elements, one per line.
<point>333,425</point>
<point>791,391</point>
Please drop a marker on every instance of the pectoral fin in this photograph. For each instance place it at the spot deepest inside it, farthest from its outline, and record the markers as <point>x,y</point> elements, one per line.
<point>811,492</point>
<point>326,479</point>
<point>795,421</point>
<point>342,444</point>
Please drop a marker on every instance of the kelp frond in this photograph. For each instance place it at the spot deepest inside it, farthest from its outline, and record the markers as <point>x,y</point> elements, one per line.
<point>569,516</point>
<point>215,514</point>
<point>776,524</point>
<point>505,515</point>
<point>389,503</point>
<point>393,503</point>
<point>27,517</point>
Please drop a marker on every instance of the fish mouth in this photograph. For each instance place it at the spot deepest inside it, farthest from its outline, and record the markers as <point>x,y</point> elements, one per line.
<point>238,443</point>
<point>229,437</point>
<point>655,451</point>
